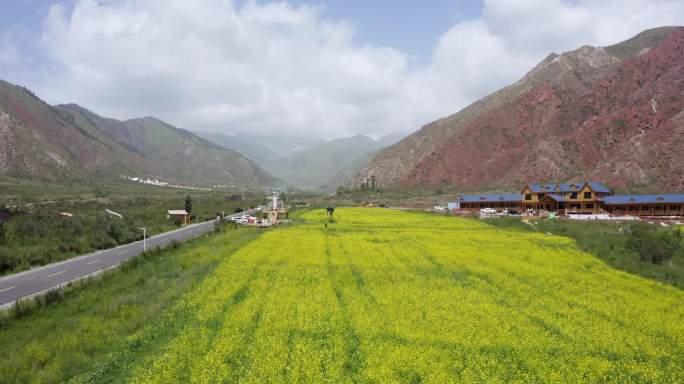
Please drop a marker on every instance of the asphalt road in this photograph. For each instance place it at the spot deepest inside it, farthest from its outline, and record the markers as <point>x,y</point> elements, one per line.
<point>41,279</point>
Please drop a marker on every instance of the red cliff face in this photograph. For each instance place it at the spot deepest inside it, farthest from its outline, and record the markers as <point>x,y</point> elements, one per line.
<point>619,122</point>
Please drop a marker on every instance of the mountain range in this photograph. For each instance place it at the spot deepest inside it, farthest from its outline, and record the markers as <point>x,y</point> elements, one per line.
<point>611,114</point>
<point>306,162</point>
<point>65,142</point>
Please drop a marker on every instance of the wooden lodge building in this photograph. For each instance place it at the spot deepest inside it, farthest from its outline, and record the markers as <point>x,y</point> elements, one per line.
<point>573,198</point>
<point>499,202</point>
<point>576,198</point>
<point>645,205</point>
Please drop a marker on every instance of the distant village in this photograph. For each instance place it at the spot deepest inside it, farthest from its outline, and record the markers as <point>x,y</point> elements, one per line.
<point>161,183</point>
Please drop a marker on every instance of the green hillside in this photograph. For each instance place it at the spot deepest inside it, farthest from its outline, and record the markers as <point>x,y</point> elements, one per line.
<point>378,296</point>
<point>314,167</point>
<point>172,153</point>
<point>68,142</point>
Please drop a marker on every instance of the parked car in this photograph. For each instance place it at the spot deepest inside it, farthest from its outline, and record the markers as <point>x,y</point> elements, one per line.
<point>487,211</point>
<point>511,212</point>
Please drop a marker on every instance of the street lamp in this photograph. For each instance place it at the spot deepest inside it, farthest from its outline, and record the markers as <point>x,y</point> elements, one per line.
<point>112,213</point>
<point>144,239</point>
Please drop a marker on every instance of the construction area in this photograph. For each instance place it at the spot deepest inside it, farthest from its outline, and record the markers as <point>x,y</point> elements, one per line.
<point>265,216</point>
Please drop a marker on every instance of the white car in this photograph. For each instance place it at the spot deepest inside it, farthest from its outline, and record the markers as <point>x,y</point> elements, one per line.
<point>487,211</point>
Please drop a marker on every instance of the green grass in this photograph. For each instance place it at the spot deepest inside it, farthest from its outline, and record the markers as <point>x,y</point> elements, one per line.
<point>386,296</point>
<point>21,190</point>
<point>608,242</point>
<point>52,343</point>
<point>38,235</point>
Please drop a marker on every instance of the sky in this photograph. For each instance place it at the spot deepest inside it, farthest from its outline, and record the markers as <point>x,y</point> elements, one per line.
<point>315,68</point>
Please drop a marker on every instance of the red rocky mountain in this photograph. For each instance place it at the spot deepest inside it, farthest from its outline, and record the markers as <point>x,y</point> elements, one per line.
<point>613,115</point>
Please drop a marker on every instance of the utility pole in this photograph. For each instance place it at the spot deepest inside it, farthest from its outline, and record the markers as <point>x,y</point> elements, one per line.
<point>144,239</point>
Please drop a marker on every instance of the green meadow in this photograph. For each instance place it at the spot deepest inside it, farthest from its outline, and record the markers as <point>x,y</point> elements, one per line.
<point>37,234</point>
<point>378,296</point>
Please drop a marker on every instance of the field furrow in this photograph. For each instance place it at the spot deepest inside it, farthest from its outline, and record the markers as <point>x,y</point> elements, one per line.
<point>385,296</point>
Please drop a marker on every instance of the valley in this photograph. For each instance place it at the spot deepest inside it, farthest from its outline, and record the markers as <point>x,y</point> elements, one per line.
<point>312,165</point>
<point>315,191</point>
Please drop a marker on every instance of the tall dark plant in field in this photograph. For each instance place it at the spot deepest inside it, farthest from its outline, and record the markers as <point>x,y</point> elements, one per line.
<point>188,204</point>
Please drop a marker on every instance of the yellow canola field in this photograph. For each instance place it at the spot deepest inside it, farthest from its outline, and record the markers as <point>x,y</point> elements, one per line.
<point>385,296</point>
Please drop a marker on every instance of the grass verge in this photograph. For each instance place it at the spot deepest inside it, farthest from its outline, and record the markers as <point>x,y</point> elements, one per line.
<point>43,342</point>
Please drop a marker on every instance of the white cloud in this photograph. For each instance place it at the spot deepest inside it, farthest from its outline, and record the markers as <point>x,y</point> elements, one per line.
<point>274,67</point>
<point>8,51</point>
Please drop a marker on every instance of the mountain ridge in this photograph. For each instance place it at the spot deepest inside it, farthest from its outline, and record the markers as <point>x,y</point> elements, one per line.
<point>321,166</point>
<point>534,119</point>
<point>68,141</point>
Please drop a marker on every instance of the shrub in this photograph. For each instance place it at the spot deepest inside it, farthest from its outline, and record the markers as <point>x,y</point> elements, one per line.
<point>653,245</point>
<point>8,262</point>
<point>51,297</point>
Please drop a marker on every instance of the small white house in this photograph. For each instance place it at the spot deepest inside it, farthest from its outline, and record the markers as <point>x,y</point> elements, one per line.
<point>180,215</point>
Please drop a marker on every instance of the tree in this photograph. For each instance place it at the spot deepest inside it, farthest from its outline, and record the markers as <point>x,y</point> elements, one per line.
<point>188,204</point>
<point>2,232</point>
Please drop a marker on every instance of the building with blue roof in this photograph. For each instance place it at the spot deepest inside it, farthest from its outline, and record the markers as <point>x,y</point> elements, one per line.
<point>575,198</point>
<point>645,205</point>
<point>499,202</point>
<point>571,198</point>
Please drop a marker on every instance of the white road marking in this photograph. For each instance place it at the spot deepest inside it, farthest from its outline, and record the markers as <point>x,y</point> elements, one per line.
<point>7,289</point>
<point>122,252</point>
<point>55,274</point>
<point>94,261</point>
